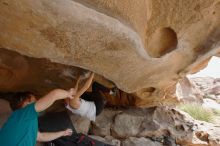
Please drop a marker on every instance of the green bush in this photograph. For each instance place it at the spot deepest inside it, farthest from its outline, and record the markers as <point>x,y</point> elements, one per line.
<point>198,112</point>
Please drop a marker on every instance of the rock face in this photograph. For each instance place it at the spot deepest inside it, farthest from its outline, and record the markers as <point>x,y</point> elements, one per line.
<point>208,87</point>
<point>187,91</point>
<point>159,126</point>
<point>20,73</point>
<point>139,45</point>
<point>198,89</point>
<point>132,141</point>
<point>82,124</point>
<point>156,126</point>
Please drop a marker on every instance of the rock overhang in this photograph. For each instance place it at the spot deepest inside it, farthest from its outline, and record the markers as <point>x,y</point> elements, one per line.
<point>113,40</point>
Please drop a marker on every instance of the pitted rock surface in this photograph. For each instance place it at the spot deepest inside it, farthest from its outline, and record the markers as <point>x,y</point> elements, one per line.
<point>135,44</point>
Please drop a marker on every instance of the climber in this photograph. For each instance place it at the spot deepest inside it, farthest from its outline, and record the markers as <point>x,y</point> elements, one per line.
<point>90,104</point>
<point>21,128</point>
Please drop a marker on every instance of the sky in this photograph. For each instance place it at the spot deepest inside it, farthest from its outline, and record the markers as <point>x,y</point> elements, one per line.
<point>212,70</point>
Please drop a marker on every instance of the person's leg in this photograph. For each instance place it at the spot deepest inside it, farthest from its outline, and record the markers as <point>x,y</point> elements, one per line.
<point>51,122</point>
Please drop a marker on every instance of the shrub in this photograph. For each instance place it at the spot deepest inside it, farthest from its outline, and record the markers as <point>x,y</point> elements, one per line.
<point>198,112</point>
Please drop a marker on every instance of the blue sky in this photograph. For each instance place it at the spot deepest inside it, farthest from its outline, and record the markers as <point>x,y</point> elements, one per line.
<point>212,70</point>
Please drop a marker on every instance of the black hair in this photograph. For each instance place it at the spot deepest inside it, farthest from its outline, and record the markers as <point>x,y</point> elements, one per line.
<point>16,99</point>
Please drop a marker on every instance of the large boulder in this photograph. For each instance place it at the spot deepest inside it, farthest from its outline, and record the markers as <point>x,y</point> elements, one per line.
<point>187,92</point>
<point>209,87</point>
<point>22,73</point>
<point>163,125</point>
<point>103,124</point>
<point>139,45</point>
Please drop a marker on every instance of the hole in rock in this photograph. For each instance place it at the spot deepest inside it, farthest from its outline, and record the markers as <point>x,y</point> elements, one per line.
<point>150,89</point>
<point>179,127</point>
<point>163,41</point>
<point>202,136</point>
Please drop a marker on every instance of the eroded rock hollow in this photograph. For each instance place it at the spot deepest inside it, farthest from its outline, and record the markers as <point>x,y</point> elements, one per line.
<point>142,46</point>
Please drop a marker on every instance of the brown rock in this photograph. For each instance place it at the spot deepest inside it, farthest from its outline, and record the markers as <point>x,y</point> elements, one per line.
<point>81,124</point>
<point>114,38</point>
<point>133,141</point>
<point>134,122</point>
<point>187,92</point>
<point>164,40</point>
<point>209,87</point>
<point>37,75</point>
<point>102,125</point>
<point>126,125</point>
<point>214,90</point>
<point>185,130</point>
<point>169,126</point>
<point>108,140</point>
